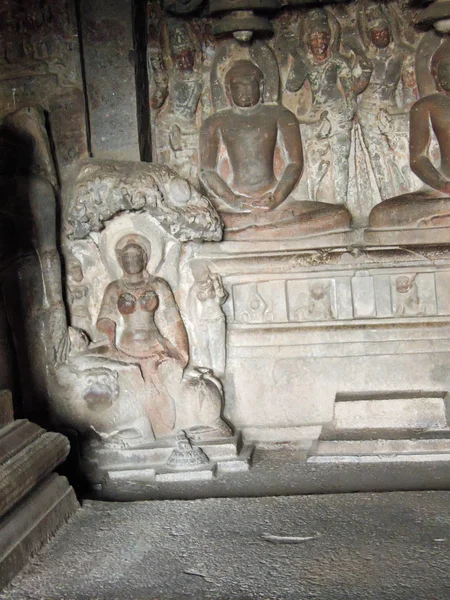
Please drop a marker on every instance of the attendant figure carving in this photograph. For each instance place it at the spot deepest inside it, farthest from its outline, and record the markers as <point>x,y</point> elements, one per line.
<point>178,87</point>
<point>382,119</point>
<point>316,307</point>
<point>79,295</point>
<point>141,319</point>
<point>252,199</point>
<point>207,296</point>
<point>430,117</point>
<point>329,121</point>
<point>407,301</point>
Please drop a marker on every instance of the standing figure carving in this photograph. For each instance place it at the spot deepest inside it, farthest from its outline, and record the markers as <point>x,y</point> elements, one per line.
<point>407,300</point>
<point>176,67</point>
<point>78,294</point>
<point>259,140</point>
<point>383,120</point>
<point>32,283</point>
<point>206,298</point>
<point>329,121</point>
<point>430,117</point>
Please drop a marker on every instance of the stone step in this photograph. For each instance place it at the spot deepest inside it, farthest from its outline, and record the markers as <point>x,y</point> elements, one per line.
<point>16,436</point>
<point>382,447</point>
<point>129,458</point>
<point>32,522</point>
<point>6,408</point>
<point>30,465</point>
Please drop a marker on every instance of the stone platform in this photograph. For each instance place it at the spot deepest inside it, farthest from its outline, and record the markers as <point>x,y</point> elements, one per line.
<point>341,352</point>
<point>157,469</point>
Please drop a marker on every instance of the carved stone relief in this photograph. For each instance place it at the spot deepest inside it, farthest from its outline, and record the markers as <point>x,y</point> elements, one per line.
<point>347,75</point>
<point>275,258</point>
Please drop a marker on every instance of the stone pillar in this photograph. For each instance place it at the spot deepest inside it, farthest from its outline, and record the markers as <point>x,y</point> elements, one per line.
<point>109,61</point>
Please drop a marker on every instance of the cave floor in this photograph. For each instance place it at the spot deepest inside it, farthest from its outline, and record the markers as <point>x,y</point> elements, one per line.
<point>358,546</point>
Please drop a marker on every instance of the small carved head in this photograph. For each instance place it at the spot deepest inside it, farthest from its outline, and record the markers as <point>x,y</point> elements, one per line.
<point>403,284</point>
<point>319,44</point>
<point>200,271</point>
<point>185,60</point>
<point>319,36</point>
<point>101,388</point>
<point>380,35</point>
<point>181,46</point>
<point>317,291</point>
<point>75,271</point>
<point>244,82</point>
<point>132,255</point>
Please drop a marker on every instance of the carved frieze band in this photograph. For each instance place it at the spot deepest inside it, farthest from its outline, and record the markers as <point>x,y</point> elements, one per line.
<point>361,295</point>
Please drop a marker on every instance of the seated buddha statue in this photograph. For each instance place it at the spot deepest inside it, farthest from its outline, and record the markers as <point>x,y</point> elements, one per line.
<point>259,139</point>
<point>143,325</point>
<point>430,206</point>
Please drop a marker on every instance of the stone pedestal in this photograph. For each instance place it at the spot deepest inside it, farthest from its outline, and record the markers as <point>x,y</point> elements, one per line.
<point>34,503</point>
<point>328,347</point>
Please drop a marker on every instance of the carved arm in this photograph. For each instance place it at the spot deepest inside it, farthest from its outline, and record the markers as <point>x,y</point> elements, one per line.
<point>419,142</point>
<point>211,180</point>
<point>290,133</point>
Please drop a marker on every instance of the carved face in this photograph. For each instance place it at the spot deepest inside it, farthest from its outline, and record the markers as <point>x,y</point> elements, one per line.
<point>317,291</point>
<point>245,92</point>
<point>244,80</point>
<point>319,44</point>
<point>200,271</point>
<point>403,284</point>
<point>184,60</point>
<point>133,259</point>
<point>380,37</point>
<point>102,389</point>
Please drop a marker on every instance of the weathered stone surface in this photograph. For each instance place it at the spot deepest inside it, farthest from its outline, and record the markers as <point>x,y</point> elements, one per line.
<point>109,61</point>
<point>6,408</point>
<point>350,546</point>
<point>30,524</point>
<point>40,64</point>
<point>325,307</point>
<point>29,465</point>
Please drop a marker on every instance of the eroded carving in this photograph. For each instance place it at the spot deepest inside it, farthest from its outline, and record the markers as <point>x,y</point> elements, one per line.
<point>430,206</point>
<point>103,189</point>
<point>207,319</point>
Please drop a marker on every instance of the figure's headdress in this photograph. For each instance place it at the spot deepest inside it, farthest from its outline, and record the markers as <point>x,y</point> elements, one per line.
<point>375,17</point>
<point>317,22</point>
<point>134,239</point>
<point>179,38</point>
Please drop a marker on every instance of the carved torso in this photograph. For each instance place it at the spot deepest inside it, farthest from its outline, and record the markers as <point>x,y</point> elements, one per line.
<point>436,109</point>
<point>328,91</point>
<point>138,334</point>
<point>250,138</point>
<point>386,73</point>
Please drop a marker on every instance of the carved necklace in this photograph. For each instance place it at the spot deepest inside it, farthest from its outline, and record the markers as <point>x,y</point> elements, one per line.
<point>139,284</point>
